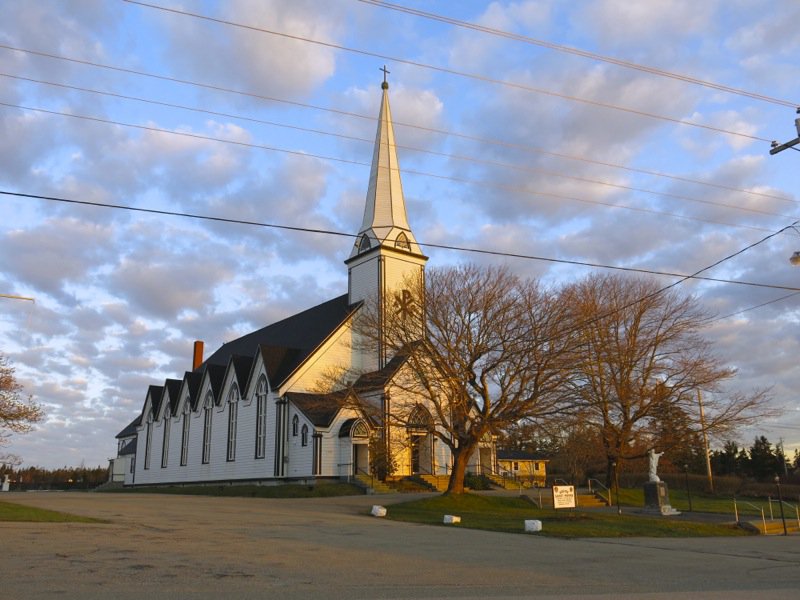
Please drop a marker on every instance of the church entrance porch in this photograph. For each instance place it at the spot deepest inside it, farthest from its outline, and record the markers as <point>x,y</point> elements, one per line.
<point>361,458</point>
<point>421,447</point>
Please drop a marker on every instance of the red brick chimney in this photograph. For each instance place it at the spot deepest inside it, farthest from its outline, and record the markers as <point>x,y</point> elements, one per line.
<point>197,359</point>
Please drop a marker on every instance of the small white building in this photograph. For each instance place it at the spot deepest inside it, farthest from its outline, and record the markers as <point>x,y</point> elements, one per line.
<point>251,411</point>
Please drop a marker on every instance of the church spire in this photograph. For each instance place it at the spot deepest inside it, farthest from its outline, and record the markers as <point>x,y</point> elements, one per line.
<point>385,222</point>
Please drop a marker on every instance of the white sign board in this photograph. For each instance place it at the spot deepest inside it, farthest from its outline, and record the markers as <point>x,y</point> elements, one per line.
<point>563,496</point>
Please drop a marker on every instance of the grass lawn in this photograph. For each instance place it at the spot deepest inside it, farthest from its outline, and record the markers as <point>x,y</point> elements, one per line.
<point>323,490</point>
<point>20,512</point>
<point>700,502</point>
<point>507,514</point>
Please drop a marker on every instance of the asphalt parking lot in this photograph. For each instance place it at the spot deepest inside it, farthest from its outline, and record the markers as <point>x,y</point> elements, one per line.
<point>163,546</point>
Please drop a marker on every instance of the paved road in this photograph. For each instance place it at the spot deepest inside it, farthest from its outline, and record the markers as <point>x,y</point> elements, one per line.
<point>162,546</point>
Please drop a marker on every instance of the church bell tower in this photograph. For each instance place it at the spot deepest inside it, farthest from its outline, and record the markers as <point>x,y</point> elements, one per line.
<point>385,255</point>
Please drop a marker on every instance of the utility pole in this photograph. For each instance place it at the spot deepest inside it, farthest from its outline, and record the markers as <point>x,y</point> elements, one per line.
<point>705,443</point>
<point>776,147</point>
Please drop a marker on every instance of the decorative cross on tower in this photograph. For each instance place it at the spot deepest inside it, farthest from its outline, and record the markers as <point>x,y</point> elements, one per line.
<point>384,85</point>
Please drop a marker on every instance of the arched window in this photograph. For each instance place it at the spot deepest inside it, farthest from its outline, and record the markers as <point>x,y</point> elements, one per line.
<point>148,442</point>
<point>207,412</point>
<point>420,419</point>
<point>165,444</point>
<point>304,436</point>
<point>360,430</point>
<point>364,244</point>
<point>261,417</point>
<point>233,415</point>
<point>295,425</point>
<point>402,242</point>
<point>187,412</point>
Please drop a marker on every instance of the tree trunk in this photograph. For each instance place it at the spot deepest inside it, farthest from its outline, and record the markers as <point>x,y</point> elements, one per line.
<point>460,459</point>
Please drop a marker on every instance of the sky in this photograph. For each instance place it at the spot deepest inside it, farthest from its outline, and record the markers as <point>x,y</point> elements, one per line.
<point>264,111</point>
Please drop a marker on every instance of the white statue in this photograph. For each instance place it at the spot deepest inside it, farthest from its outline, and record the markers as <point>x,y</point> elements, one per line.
<point>653,456</point>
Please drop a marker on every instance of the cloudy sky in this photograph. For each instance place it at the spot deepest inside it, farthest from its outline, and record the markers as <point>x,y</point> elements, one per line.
<point>264,111</point>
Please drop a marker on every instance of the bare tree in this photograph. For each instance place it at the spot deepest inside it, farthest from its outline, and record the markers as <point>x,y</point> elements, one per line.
<point>482,349</point>
<point>642,358</point>
<point>17,414</point>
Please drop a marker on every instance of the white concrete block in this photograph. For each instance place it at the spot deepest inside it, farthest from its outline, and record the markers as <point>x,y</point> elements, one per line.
<point>532,526</point>
<point>378,511</point>
<point>450,519</point>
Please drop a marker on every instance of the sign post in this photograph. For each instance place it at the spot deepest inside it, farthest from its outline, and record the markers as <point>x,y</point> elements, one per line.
<point>563,496</point>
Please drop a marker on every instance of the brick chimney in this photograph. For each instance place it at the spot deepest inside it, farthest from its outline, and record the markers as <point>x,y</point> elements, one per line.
<point>197,358</point>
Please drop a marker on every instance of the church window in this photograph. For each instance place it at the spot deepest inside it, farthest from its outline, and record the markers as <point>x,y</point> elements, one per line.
<point>304,436</point>
<point>317,452</point>
<point>402,242</point>
<point>420,419</point>
<point>364,244</point>
<point>165,444</point>
<point>233,416</point>
<point>207,411</point>
<point>360,430</point>
<point>185,434</point>
<point>261,418</point>
<point>295,425</point>
<point>148,442</point>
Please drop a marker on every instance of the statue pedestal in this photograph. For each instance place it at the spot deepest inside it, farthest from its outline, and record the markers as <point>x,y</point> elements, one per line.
<point>656,499</point>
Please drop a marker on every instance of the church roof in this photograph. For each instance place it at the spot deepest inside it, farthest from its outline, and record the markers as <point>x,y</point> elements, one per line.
<point>155,392</point>
<point>379,379</point>
<point>241,367</point>
<point>286,344</point>
<point>172,388</point>
<point>320,409</point>
<point>216,377</point>
<point>130,428</point>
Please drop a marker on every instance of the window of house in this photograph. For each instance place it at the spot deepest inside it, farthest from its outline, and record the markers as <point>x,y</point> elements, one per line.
<point>261,417</point>
<point>233,416</point>
<point>364,244</point>
<point>295,425</point>
<point>148,441</point>
<point>516,466</point>
<point>165,444</point>
<point>207,412</point>
<point>185,434</point>
<point>304,436</point>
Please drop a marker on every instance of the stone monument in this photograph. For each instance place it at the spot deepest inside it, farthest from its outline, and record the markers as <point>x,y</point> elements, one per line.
<point>656,494</point>
<point>6,483</point>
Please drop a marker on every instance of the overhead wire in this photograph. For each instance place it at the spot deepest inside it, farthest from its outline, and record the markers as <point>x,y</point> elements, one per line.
<point>444,132</point>
<point>493,163</point>
<point>449,71</point>
<point>299,153</point>
<point>580,52</point>
<point>466,249</point>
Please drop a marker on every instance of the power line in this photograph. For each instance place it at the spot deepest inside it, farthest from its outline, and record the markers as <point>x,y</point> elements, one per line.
<point>429,245</point>
<point>579,52</point>
<point>737,313</point>
<point>475,76</point>
<point>504,187</point>
<point>444,132</point>
<point>472,159</point>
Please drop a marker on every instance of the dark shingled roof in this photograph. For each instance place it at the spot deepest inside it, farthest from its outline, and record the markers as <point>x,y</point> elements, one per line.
<point>130,428</point>
<point>319,408</point>
<point>193,380</point>
<point>129,448</point>
<point>172,387</point>
<point>287,343</point>
<point>216,376</point>
<point>378,379</point>
<point>519,455</point>
<point>241,367</point>
<point>155,392</point>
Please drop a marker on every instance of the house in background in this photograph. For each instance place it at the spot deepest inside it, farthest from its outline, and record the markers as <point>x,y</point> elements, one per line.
<point>523,466</point>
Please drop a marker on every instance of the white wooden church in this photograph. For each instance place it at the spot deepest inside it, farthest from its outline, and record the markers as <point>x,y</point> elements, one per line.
<point>252,410</point>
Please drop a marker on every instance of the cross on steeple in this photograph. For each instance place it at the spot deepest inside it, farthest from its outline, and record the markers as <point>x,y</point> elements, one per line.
<point>385,84</point>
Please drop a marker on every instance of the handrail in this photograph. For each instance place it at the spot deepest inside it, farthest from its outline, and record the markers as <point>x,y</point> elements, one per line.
<point>789,504</point>
<point>558,479</point>
<point>759,508</point>
<point>608,491</point>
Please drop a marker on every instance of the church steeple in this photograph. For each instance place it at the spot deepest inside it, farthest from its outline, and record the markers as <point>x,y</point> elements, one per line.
<point>386,259</point>
<point>385,221</point>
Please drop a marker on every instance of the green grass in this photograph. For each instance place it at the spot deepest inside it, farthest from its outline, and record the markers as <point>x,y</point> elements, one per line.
<point>507,514</point>
<point>22,513</point>
<point>325,490</point>
<point>701,502</point>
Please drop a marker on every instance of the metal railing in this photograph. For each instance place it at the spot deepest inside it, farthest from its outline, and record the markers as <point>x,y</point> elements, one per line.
<point>785,503</point>
<point>758,508</point>
<point>591,491</point>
